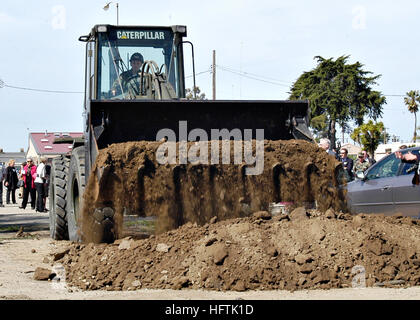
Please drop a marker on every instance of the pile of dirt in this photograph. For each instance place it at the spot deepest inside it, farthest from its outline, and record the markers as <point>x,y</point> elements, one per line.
<point>134,183</point>
<point>306,249</point>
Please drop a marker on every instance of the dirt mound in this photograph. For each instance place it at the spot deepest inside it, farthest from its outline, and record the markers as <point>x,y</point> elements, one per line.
<point>134,183</point>
<point>302,250</point>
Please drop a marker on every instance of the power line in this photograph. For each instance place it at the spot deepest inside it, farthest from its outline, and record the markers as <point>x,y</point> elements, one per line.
<point>42,90</point>
<point>275,81</point>
<point>288,83</point>
<point>3,84</point>
<point>242,74</point>
<point>197,74</point>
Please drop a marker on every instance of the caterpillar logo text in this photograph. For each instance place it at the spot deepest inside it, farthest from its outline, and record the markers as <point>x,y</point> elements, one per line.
<point>141,35</point>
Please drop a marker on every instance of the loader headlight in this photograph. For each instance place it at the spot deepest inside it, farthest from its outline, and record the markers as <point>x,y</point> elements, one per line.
<point>180,29</point>
<point>102,29</point>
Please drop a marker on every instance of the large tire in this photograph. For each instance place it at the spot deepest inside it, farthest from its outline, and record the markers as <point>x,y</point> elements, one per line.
<point>57,198</point>
<point>75,189</point>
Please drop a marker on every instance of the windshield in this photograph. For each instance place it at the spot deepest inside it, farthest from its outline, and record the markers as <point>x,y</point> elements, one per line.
<point>119,74</point>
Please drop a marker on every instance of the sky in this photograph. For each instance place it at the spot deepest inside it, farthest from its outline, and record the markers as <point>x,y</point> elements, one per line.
<point>262,47</point>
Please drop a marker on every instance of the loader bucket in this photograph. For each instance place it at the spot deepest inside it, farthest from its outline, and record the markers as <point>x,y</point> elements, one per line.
<point>127,179</point>
<point>122,121</point>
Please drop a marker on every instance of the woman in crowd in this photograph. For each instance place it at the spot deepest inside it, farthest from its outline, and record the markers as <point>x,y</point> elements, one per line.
<point>29,175</point>
<point>11,181</point>
<point>46,184</point>
<point>21,183</point>
<point>39,184</point>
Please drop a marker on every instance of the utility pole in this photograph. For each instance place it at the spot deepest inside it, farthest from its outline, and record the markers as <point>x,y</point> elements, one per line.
<point>240,69</point>
<point>118,15</point>
<point>214,74</point>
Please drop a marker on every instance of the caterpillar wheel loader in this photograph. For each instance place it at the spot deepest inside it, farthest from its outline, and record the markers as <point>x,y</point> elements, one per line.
<point>149,100</point>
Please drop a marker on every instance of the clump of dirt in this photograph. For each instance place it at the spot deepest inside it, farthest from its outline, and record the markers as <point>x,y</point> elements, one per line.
<point>134,183</point>
<point>306,249</point>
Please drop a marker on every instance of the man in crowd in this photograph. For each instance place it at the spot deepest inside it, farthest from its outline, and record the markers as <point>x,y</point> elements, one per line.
<point>347,162</point>
<point>410,158</point>
<point>367,158</point>
<point>361,164</point>
<point>2,177</point>
<point>325,144</point>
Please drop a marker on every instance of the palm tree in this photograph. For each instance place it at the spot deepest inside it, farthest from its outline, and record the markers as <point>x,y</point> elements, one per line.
<point>412,101</point>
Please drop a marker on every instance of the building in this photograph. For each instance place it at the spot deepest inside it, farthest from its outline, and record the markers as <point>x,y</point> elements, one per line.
<point>382,149</point>
<point>19,158</point>
<point>352,150</point>
<point>41,144</point>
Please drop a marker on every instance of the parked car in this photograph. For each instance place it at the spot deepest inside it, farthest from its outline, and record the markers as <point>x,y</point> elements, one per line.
<point>386,187</point>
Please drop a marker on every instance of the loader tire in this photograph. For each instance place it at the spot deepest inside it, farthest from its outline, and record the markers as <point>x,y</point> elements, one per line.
<point>57,198</point>
<point>75,189</point>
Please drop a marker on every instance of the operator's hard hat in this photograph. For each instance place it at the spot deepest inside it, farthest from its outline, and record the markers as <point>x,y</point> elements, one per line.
<point>137,56</point>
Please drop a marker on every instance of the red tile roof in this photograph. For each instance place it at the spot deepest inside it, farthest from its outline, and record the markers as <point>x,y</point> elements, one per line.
<point>43,142</point>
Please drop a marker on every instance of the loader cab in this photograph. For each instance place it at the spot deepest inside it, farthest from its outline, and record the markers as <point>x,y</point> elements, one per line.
<point>108,52</point>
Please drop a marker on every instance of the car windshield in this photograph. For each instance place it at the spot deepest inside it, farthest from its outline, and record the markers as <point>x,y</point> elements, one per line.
<point>387,167</point>
<point>115,50</point>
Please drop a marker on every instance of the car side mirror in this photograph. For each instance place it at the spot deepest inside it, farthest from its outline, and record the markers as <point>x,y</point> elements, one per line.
<point>360,175</point>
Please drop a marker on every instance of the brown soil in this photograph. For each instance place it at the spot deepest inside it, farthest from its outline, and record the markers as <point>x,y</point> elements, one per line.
<point>133,182</point>
<point>305,250</point>
<point>247,249</point>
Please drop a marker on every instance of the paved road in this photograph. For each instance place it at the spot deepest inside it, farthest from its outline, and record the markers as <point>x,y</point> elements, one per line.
<point>12,218</point>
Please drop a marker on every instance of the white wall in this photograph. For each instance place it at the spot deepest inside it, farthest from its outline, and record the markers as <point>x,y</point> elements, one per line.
<point>380,151</point>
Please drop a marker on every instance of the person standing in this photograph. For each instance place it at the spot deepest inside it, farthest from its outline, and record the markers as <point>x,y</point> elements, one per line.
<point>29,175</point>
<point>39,185</point>
<point>361,165</point>
<point>2,176</point>
<point>21,183</point>
<point>46,184</point>
<point>325,144</point>
<point>367,158</point>
<point>11,182</point>
<point>347,162</point>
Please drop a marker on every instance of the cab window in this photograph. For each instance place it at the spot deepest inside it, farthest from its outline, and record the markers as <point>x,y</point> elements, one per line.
<point>115,50</point>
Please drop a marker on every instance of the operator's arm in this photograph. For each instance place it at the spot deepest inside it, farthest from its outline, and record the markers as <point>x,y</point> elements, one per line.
<point>118,87</point>
<point>115,88</point>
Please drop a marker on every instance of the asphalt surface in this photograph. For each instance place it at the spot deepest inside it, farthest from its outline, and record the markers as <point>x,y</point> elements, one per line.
<point>12,218</point>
